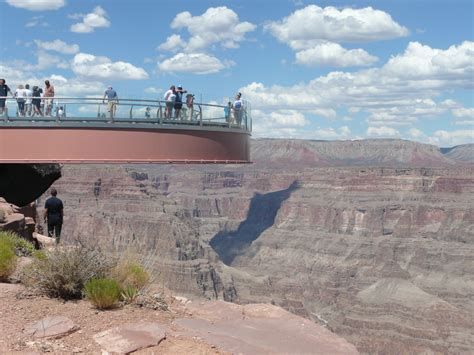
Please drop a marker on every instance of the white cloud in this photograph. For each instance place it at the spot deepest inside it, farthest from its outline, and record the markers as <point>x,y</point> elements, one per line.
<point>385,96</point>
<point>333,54</point>
<point>451,138</point>
<point>331,133</point>
<point>382,131</point>
<point>152,90</point>
<point>416,133</point>
<point>218,25</point>
<point>58,46</point>
<point>173,43</point>
<point>197,63</point>
<point>279,123</point>
<point>37,5</point>
<point>88,65</point>
<point>463,112</point>
<point>421,62</point>
<point>307,26</point>
<point>37,21</point>
<point>96,19</point>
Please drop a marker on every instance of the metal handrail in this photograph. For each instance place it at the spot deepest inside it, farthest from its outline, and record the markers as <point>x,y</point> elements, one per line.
<point>187,115</point>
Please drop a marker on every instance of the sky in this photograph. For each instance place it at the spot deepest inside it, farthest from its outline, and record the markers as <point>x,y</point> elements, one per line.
<point>329,70</point>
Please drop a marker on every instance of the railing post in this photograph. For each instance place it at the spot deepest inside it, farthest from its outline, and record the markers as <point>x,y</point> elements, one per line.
<point>200,115</point>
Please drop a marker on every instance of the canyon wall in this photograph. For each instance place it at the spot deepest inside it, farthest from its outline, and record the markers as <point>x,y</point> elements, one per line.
<point>373,239</point>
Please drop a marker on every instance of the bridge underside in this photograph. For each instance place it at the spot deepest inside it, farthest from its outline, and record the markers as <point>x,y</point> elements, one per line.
<point>122,145</point>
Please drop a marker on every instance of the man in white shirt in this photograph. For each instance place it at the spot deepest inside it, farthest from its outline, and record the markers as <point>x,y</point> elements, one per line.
<point>170,98</point>
<point>20,96</point>
<point>29,100</point>
<point>237,108</point>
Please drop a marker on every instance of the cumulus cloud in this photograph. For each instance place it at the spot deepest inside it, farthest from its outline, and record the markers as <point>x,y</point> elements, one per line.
<point>332,133</point>
<point>173,43</point>
<point>386,97</point>
<point>333,54</point>
<point>451,138</point>
<point>306,26</point>
<point>152,90</point>
<point>463,112</point>
<point>279,123</point>
<point>382,131</point>
<point>434,65</point>
<point>197,63</point>
<point>37,5</point>
<point>218,25</point>
<point>96,19</point>
<point>58,46</point>
<point>416,133</point>
<point>88,65</point>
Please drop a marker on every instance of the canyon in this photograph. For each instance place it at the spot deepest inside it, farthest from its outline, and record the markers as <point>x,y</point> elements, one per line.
<point>373,239</point>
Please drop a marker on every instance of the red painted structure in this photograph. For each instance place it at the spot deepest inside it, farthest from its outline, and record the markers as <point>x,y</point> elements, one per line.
<point>122,145</point>
<point>128,138</point>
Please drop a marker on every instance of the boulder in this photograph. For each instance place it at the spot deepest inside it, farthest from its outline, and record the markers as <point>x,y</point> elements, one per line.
<point>51,327</point>
<point>131,337</point>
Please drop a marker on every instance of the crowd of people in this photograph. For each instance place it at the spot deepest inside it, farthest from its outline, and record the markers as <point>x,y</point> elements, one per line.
<point>31,102</point>
<point>38,101</point>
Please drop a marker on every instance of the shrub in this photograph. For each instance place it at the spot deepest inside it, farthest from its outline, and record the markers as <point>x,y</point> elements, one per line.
<point>103,293</point>
<point>129,294</point>
<point>64,272</point>
<point>130,273</point>
<point>21,246</point>
<point>8,259</point>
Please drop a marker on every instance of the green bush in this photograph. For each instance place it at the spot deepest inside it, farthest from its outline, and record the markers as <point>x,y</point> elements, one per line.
<point>8,259</point>
<point>129,294</point>
<point>64,272</point>
<point>130,273</point>
<point>21,246</point>
<point>103,293</point>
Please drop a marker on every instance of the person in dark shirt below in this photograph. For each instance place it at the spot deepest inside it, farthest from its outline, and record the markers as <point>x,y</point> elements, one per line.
<point>53,215</point>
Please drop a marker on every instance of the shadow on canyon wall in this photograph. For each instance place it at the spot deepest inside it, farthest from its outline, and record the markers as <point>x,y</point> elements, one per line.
<point>261,216</point>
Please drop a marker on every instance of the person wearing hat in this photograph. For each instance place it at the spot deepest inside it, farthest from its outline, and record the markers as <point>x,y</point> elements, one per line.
<point>178,104</point>
<point>112,101</point>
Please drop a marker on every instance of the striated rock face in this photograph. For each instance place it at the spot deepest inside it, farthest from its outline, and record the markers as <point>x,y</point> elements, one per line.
<point>461,153</point>
<point>21,184</point>
<point>383,256</point>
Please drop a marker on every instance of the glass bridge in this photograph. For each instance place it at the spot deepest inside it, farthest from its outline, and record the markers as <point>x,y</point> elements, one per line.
<point>89,130</point>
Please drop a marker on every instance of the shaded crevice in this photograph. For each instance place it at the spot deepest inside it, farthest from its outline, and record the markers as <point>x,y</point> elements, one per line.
<point>261,216</point>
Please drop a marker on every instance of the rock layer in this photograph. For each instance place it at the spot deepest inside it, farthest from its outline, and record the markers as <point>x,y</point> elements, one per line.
<point>381,255</point>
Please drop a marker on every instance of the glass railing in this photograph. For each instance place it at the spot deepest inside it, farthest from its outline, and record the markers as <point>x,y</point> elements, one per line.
<point>97,110</point>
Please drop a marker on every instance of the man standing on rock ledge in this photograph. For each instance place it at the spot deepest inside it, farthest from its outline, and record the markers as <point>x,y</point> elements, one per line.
<point>53,215</point>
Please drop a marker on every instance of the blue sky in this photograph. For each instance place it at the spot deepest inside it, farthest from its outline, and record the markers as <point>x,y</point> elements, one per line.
<point>314,70</point>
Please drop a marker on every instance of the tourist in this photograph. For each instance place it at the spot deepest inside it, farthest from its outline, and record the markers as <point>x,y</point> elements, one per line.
<point>170,98</point>
<point>227,110</point>
<point>37,101</point>
<point>28,104</point>
<point>237,108</point>
<point>20,95</point>
<point>179,101</point>
<point>4,90</point>
<point>112,101</point>
<point>53,215</point>
<point>147,112</point>
<point>48,98</point>
<point>190,105</point>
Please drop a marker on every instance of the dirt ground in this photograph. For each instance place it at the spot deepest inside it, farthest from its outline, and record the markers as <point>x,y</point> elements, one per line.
<point>18,309</point>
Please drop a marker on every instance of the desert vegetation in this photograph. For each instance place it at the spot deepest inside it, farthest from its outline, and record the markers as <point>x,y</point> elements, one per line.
<point>73,272</point>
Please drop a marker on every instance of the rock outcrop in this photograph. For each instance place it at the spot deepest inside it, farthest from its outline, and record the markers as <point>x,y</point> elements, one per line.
<point>373,239</point>
<point>21,184</point>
